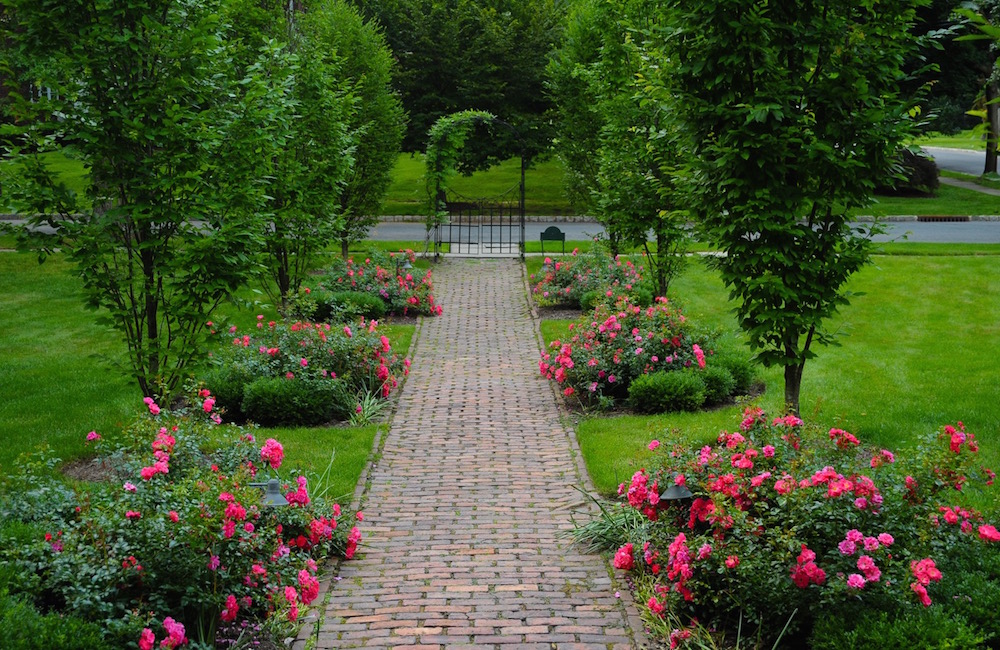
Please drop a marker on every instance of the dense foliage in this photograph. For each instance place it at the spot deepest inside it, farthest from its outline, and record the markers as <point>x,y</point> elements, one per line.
<point>302,373</point>
<point>176,543</point>
<point>146,96</point>
<point>616,144</point>
<point>780,524</point>
<point>792,114</point>
<point>457,55</point>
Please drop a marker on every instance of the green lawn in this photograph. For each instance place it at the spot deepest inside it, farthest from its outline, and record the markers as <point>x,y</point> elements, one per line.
<point>55,385</point>
<point>961,140</point>
<point>545,194</point>
<point>543,186</point>
<point>947,201</point>
<point>920,349</point>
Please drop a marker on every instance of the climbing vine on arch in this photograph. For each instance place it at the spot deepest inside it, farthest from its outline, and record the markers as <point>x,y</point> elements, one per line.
<point>444,140</point>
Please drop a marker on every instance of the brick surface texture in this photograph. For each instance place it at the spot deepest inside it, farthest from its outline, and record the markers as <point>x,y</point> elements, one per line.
<point>468,506</point>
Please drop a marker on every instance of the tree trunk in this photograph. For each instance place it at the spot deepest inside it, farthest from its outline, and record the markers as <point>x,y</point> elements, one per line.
<point>662,251</point>
<point>793,385</point>
<point>993,127</point>
<point>344,245</point>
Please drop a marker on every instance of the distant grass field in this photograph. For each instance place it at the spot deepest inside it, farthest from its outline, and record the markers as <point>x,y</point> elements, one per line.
<point>544,193</point>
<point>962,140</point>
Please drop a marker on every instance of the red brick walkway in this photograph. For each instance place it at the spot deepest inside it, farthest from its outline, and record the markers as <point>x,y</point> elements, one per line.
<point>466,506</point>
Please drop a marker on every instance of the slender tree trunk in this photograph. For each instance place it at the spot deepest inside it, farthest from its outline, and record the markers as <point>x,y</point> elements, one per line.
<point>793,385</point>
<point>344,245</point>
<point>993,127</point>
<point>662,251</point>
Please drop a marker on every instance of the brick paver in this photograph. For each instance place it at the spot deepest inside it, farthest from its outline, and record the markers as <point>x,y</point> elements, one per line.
<point>468,504</point>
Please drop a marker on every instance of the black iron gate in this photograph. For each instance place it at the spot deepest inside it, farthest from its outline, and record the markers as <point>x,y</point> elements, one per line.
<point>485,227</point>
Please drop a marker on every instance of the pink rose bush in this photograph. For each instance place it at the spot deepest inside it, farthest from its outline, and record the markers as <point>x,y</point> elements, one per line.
<point>567,279</point>
<point>405,292</point>
<point>782,517</point>
<point>616,344</point>
<point>302,373</point>
<point>179,556</point>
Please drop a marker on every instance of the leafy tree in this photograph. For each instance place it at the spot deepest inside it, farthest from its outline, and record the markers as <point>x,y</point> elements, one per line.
<point>456,55</point>
<point>791,112</point>
<point>615,142</point>
<point>378,123</point>
<point>177,152</point>
<point>317,157</point>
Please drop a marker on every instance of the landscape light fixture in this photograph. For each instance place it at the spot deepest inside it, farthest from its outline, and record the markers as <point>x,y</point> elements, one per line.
<point>272,493</point>
<point>675,493</point>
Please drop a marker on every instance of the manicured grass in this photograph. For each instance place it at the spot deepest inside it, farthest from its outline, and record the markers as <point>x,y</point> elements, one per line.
<point>543,186</point>
<point>921,350</point>
<point>961,140</point>
<point>947,201</point>
<point>54,386</point>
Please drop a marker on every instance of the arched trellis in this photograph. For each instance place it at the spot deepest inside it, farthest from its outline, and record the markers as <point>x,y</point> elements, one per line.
<point>481,226</point>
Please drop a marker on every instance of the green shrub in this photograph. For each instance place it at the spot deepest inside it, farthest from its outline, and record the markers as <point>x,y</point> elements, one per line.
<point>931,628</point>
<point>591,299</point>
<point>661,392</point>
<point>227,385</point>
<point>742,370</point>
<point>358,356</point>
<point>22,627</point>
<point>642,297</point>
<point>354,304</point>
<point>719,384</point>
<point>301,402</point>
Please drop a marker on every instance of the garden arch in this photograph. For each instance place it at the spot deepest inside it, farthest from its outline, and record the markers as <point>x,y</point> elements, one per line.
<point>476,227</point>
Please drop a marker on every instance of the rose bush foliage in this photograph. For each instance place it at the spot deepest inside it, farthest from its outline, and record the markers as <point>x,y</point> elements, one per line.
<point>176,541</point>
<point>787,522</point>
<point>616,343</point>
<point>381,274</point>
<point>355,358</point>
<point>568,280</point>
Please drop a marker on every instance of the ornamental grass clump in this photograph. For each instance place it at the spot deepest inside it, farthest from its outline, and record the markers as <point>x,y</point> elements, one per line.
<point>568,280</point>
<point>378,274</point>
<point>302,373</point>
<point>797,530</point>
<point>176,541</point>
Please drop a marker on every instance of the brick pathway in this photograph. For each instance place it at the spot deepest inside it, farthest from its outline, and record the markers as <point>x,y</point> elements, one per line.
<point>474,486</point>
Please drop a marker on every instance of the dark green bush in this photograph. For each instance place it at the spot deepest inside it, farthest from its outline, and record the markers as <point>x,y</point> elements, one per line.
<point>227,385</point>
<point>642,297</point>
<point>661,392</point>
<point>24,628</point>
<point>353,304</point>
<point>301,402</point>
<point>719,384</point>
<point>931,628</point>
<point>915,173</point>
<point>742,370</point>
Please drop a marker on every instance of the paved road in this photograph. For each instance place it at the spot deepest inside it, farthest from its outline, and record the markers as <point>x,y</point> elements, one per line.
<point>958,160</point>
<point>973,232</point>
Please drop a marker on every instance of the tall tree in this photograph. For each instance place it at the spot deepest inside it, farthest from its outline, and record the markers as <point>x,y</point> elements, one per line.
<point>791,112</point>
<point>378,123</point>
<point>613,141</point>
<point>145,96</point>
<point>456,55</point>
<point>310,170</point>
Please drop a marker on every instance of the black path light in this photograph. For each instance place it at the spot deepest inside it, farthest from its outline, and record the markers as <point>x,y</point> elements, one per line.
<point>675,493</point>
